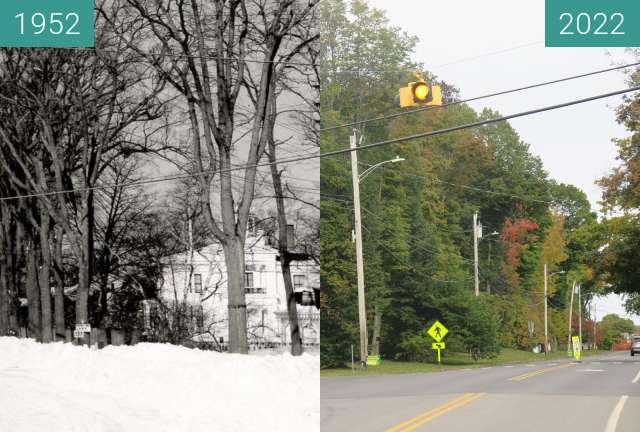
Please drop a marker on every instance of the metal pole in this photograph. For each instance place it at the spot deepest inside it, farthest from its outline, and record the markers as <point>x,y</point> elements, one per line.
<point>580,314</point>
<point>475,253</point>
<point>352,367</point>
<point>595,320</point>
<point>573,290</point>
<point>362,311</point>
<point>546,335</point>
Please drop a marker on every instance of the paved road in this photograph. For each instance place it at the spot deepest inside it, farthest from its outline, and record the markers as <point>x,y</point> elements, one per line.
<point>601,394</point>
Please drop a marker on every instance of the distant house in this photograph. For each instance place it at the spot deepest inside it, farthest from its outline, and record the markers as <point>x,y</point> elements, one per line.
<point>198,279</point>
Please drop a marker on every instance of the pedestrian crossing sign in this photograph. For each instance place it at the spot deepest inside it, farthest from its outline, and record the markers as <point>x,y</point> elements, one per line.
<point>577,349</point>
<point>437,331</point>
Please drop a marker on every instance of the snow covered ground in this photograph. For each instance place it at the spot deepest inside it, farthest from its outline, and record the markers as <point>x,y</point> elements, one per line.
<point>154,388</point>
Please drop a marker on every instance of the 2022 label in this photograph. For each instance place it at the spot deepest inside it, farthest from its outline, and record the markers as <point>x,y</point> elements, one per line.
<point>592,23</point>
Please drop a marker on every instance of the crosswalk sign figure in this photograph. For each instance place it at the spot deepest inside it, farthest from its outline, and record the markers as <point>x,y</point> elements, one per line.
<point>437,331</point>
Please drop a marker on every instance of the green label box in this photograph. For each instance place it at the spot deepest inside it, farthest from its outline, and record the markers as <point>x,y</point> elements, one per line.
<point>46,23</point>
<point>592,23</point>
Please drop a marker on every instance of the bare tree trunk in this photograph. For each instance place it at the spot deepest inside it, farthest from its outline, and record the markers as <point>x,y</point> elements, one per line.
<point>234,258</point>
<point>4,288</point>
<point>5,252</point>
<point>58,274</point>
<point>45,271</point>
<point>33,292</point>
<point>377,325</point>
<point>84,268</point>
<point>292,311</point>
<point>283,240</point>
<point>14,259</point>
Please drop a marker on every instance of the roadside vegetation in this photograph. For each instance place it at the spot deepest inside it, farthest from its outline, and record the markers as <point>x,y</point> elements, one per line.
<point>417,217</point>
<point>450,361</point>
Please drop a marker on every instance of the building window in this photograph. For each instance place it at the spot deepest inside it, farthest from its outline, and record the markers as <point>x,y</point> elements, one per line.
<point>197,283</point>
<point>248,280</point>
<point>299,281</point>
<point>249,286</point>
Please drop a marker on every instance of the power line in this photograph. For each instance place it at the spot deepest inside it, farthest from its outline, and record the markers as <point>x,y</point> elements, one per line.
<point>500,93</point>
<point>480,123</point>
<point>337,152</point>
<point>462,60</point>
<point>183,55</point>
<point>488,54</point>
<point>405,263</point>
<point>476,189</point>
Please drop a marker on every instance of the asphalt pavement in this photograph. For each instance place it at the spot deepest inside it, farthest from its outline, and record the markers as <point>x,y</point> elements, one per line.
<point>599,394</point>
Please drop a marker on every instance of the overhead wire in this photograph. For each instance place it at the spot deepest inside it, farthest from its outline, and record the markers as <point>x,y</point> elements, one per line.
<point>342,151</point>
<point>476,189</point>
<point>404,262</point>
<point>461,60</point>
<point>486,96</point>
<point>481,122</point>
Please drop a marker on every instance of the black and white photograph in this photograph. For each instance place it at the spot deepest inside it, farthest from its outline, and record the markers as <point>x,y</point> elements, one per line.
<point>160,222</point>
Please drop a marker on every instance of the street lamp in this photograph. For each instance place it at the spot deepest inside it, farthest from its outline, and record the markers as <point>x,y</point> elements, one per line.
<point>546,334</point>
<point>373,167</point>
<point>362,311</point>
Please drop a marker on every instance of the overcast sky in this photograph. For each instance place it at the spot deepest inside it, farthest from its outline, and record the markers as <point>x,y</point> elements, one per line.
<point>457,39</point>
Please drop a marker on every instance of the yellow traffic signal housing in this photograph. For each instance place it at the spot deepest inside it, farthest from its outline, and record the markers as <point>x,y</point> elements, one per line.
<point>420,93</point>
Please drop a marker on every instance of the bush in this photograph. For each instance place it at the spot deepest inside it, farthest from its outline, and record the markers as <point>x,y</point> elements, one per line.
<point>472,321</point>
<point>416,347</point>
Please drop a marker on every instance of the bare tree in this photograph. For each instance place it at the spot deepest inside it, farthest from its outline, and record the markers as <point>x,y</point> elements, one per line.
<point>206,50</point>
<point>78,112</point>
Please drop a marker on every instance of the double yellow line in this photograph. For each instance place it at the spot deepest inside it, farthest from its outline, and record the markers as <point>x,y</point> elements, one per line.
<point>436,412</point>
<point>539,372</point>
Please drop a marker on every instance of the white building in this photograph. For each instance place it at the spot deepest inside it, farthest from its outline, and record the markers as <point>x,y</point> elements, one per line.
<point>205,289</point>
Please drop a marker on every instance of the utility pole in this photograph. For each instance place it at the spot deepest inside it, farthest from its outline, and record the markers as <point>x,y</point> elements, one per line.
<point>580,314</point>
<point>475,253</point>
<point>546,335</point>
<point>488,267</point>
<point>362,311</point>
<point>573,290</point>
<point>595,320</point>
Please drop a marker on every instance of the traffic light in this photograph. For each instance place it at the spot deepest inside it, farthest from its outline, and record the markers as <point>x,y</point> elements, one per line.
<point>420,93</point>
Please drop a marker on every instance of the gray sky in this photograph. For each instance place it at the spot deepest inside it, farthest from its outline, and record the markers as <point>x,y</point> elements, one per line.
<point>574,143</point>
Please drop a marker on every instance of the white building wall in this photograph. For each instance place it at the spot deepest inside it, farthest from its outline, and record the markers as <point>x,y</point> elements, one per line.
<point>266,303</point>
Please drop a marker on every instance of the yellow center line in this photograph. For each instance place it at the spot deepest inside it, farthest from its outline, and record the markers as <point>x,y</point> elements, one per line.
<point>435,412</point>
<point>539,372</point>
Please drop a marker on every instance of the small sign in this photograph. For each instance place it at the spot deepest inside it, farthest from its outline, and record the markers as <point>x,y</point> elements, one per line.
<point>373,360</point>
<point>577,349</point>
<point>85,328</point>
<point>437,345</point>
<point>77,334</point>
<point>437,331</point>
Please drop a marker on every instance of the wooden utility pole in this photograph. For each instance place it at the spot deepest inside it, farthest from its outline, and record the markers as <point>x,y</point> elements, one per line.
<point>573,290</point>
<point>580,314</point>
<point>546,334</point>
<point>362,311</point>
<point>475,254</point>
<point>595,320</point>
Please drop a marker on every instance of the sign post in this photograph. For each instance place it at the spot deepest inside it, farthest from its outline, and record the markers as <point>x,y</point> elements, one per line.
<point>438,331</point>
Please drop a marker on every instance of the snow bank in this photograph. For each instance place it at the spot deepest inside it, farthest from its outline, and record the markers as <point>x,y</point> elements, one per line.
<point>153,387</point>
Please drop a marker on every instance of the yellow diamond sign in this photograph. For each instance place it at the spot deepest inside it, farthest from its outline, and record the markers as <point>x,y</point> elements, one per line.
<point>437,331</point>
